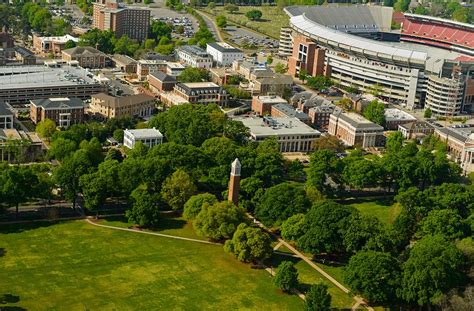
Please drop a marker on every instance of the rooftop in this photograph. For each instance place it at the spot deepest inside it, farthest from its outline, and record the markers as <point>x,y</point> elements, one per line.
<point>358,121</point>
<point>4,111</point>
<point>124,59</point>
<point>56,103</point>
<point>271,99</point>
<point>82,51</point>
<point>279,126</point>
<point>60,39</point>
<point>223,47</point>
<point>289,111</point>
<point>415,125</point>
<point>20,77</point>
<point>194,50</point>
<point>114,102</point>
<point>459,132</point>
<point>394,114</point>
<point>145,133</point>
<point>200,85</point>
<point>161,76</point>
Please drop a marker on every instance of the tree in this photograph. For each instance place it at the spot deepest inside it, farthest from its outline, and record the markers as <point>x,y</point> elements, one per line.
<point>195,203</point>
<point>67,175</point>
<point>286,276</point>
<point>432,269</point>
<point>322,163</point>
<point>221,21</point>
<point>17,186</point>
<point>211,5</point>
<point>269,59</point>
<point>361,173</point>
<point>428,113</point>
<point>293,228</point>
<point>375,112</point>
<point>461,15</point>
<point>61,148</point>
<point>219,221</point>
<point>160,29</point>
<point>327,222</point>
<point>394,142</point>
<point>231,8</point>
<point>249,244</point>
<point>280,202</point>
<point>445,222</point>
<point>328,142</point>
<point>280,68</point>
<point>150,44</point>
<point>46,128</point>
<point>118,135</point>
<point>70,44</point>
<point>177,189</point>
<point>374,275</point>
<point>193,75</point>
<point>363,231</point>
<point>144,211</point>
<point>318,298</point>
<point>254,15</point>
<point>319,82</point>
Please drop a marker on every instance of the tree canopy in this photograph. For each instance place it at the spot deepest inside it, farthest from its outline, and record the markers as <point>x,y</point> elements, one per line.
<point>249,244</point>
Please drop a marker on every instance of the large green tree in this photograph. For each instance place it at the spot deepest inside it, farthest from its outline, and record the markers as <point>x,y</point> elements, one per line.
<point>177,189</point>
<point>249,244</point>
<point>194,205</point>
<point>433,267</point>
<point>286,276</point>
<point>144,211</point>
<point>219,221</point>
<point>317,298</point>
<point>374,275</point>
<point>375,112</point>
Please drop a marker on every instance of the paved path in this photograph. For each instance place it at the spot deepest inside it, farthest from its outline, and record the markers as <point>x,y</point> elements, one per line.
<point>152,233</point>
<point>359,300</point>
<point>212,25</point>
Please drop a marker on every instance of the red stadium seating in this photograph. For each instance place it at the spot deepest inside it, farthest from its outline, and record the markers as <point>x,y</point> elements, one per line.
<point>436,33</point>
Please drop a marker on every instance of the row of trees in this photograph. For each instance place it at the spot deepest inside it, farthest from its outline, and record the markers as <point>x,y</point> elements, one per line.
<point>445,9</point>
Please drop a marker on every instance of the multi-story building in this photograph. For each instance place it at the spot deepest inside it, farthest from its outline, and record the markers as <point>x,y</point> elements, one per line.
<point>194,56</point>
<point>288,111</point>
<point>262,105</point>
<point>174,69</point>
<point>292,134</point>
<point>394,117</point>
<point>55,44</point>
<point>202,93</point>
<point>161,82</point>
<point>112,15</point>
<point>428,63</point>
<point>304,101</point>
<point>460,142</point>
<point>125,63</point>
<point>6,116</point>
<point>34,148</point>
<point>22,55</point>
<point>224,54</point>
<point>108,107</point>
<point>285,47</point>
<point>355,130</point>
<point>20,84</point>
<point>85,56</point>
<point>276,85</point>
<point>145,67</point>
<point>416,129</point>
<point>63,111</point>
<point>320,115</point>
<point>251,69</point>
<point>148,137</point>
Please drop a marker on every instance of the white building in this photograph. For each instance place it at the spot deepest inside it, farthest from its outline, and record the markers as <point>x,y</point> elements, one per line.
<point>292,134</point>
<point>194,56</point>
<point>174,69</point>
<point>224,54</point>
<point>6,117</point>
<point>149,137</point>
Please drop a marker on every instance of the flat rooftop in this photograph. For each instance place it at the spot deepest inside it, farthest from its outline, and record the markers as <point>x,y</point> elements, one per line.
<point>145,133</point>
<point>271,99</point>
<point>394,114</point>
<point>200,84</point>
<point>20,77</point>
<point>281,126</point>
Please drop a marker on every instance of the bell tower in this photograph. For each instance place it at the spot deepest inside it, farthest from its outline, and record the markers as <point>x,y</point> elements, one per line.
<point>234,183</point>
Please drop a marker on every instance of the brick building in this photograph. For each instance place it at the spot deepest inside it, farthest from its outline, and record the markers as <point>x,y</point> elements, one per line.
<point>262,105</point>
<point>306,55</point>
<point>355,130</point>
<point>63,111</point>
<point>108,107</point>
<point>54,44</point>
<point>86,56</point>
<point>161,82</point>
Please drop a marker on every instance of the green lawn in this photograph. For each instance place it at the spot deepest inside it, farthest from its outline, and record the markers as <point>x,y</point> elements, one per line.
<point>77,266</point>
<point>385,211</point>
<point>273,18</point>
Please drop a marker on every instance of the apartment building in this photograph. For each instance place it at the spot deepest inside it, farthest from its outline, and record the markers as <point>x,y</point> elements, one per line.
<point>125,63</point>
<point>355,130</point>
<point>85,56</point>
<point>148,137</point>
<point>146,67</point>
<point>224,54</point>
<point>108,107</point>
<point>63,111</point>
<point>194,56</point>
<point>112,15</point>
<point>196,93</point>
<point>292,134</point>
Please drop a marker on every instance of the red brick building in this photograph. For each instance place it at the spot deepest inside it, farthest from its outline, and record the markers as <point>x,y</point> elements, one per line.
<point>161,82</point>
<point>306,55</point>
<point>262,105</point>
<point>63,111</point>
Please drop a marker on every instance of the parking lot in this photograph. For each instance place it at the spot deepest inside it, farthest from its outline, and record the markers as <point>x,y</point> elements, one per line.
<point>244,37</point>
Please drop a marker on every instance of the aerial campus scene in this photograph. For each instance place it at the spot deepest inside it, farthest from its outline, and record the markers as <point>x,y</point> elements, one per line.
<point>237,155</point>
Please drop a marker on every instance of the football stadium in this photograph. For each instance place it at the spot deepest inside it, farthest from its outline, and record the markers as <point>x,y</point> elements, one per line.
<point>428,62</point>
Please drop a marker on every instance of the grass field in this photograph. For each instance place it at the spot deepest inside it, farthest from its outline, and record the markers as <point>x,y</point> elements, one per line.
<point>385,211</point>
<point>76,266</point>
<point>273,18</point>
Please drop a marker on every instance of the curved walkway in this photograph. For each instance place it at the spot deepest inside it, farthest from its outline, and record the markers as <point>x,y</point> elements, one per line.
<point>152,233</point>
